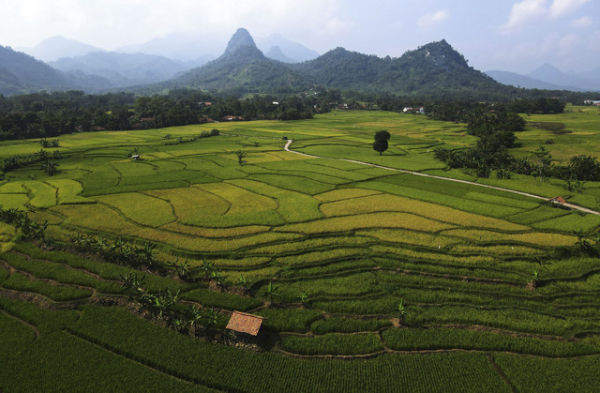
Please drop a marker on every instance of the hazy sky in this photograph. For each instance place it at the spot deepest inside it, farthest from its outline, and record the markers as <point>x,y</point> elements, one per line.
<point>516,35</point>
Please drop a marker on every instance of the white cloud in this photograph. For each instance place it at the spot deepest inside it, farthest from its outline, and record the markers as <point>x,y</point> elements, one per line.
<point>563,7</point>
<point>432,19</point>
<point>526,12</point>
<point>112,23</point>
<point>582,22</point>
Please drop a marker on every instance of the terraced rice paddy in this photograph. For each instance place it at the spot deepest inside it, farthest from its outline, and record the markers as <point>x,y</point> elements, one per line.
<point>370,280</point>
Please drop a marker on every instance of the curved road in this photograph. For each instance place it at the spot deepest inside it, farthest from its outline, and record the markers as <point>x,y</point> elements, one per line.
<point>569,205</point>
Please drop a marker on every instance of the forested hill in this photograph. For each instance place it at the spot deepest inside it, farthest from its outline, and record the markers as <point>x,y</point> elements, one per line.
<point>242,68</point>
<point>434,69</point>
<point>20,73</point>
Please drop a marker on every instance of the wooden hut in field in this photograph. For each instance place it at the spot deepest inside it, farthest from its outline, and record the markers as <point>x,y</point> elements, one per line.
<point>242,322</point>
<point>558,201</point>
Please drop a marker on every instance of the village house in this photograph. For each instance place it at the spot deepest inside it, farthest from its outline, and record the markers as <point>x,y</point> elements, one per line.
<point>418,111</point>
<point>233,118</point>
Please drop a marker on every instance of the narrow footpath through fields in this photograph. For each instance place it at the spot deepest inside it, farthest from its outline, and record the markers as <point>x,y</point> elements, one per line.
<point>569,205</point>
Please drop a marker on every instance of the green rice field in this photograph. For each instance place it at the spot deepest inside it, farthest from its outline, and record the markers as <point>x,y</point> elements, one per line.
<point>369,280</point>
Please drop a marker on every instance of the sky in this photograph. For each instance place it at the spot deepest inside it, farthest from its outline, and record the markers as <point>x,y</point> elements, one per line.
<point>513,35</point>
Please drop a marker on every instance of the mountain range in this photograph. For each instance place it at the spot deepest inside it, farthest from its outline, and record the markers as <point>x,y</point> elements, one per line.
<point>54,48</point>
<point>122,69</point>
<point>21,73</point>
<point>549,77</point>
<point>431,69</point>
<point>435,69</point>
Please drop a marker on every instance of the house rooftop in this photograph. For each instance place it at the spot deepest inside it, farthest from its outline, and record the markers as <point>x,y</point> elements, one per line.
<point>245,323</point>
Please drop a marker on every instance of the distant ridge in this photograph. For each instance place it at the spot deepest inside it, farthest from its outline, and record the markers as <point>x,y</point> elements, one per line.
<point>58,47</point>
<point>275,53</point>
<point>431,69</point>
<point>21,73</point>
<point>518,80</point>
<point>293,51</point>
<point>122,69</point>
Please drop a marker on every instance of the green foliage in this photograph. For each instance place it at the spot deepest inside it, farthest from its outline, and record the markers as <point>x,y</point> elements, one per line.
<point>42,368</point>
<point>345,249</point>
<point>240,156</point>
<point>30,229</point>
<point>586,168</point>
<point>119,250</point>
<point>159,303</point>
<point>444,338</point>
<point>381,141</point>
<point>46,321</point>
<point>107,271</point>
<point>210,298</point>
<point>402,311</point>
<point>45,143</point>
<point>346,325</point>
<point>58,272</point>
<point>336,344</point>
<point>21,282</point>
<point>290,320</point>
<point>173,352</point>
<point>556,375</point>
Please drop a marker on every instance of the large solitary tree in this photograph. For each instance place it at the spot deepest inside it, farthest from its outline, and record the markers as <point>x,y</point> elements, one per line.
<point>381,141</point>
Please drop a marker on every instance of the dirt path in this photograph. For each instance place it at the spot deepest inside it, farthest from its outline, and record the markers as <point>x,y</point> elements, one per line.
<point>569,205</point>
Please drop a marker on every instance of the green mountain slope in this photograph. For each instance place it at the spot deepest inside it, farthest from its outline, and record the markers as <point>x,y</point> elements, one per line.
<point>435,67</point>
<point>242,68</point>
<point>21,73</point>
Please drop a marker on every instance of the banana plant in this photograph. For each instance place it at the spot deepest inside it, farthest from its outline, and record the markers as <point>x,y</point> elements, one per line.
<point>272,291</point>
<point>402,309</point>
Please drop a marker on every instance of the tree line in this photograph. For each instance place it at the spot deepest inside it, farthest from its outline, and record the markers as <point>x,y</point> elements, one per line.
<point>496,132</point>
<point>47,115</point>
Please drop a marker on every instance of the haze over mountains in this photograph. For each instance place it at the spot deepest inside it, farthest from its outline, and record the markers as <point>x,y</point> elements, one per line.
<point>432,69</point>
<point>122,69</point>
<point>21,73</point>
<point>549,77</point>
<point>58,47</point>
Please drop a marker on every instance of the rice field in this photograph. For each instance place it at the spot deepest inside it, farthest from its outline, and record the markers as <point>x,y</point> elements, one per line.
<point>369,280</point>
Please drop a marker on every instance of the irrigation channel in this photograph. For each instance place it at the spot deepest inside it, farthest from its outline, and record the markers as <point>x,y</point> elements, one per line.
<point>569,205</point>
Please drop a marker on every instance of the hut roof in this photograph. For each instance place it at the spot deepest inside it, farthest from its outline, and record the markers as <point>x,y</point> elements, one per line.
<point>245,323</point>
